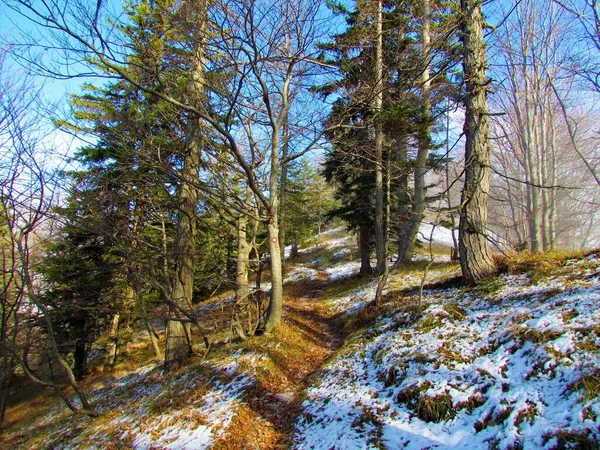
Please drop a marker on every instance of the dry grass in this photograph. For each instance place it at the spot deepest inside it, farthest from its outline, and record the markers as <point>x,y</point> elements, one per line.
<point>455,311</point>
<point>537,265</point>
<point>436,408</point>
<point>429,408</point>
<point>569,440</point>
<point>531,334</point>
<point>588,385</point>
<point>491,420</point>
<point>527,415</point>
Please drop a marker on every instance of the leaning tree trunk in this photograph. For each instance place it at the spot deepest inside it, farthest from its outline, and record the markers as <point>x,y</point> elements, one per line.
<point>476,257</point>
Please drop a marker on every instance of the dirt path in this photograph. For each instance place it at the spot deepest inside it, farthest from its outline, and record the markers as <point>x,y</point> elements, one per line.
<point>280,406</point>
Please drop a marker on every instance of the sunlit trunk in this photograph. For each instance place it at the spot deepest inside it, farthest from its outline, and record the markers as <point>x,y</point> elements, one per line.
<point>476,258</point>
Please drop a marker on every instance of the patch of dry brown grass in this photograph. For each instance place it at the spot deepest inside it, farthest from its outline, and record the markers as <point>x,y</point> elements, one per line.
<point>537,265</point>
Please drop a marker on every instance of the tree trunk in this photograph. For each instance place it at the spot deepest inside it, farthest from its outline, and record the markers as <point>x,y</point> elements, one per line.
<point>476,258</point>
<point>243,262</point>
<point>380,236</point>
<point>283,191</point>
<point>153,338</point>
<point>275,310</point>
<point>178,346</point>
<point>454,251</point>
<point>388,192</point>
<point>80,359</point>
<point>424,137</point>
<point>179,343</point>
<point>364,237</point>
<point>111,348</point>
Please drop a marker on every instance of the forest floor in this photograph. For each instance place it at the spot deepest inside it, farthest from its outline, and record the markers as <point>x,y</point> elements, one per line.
<point>512,364</point>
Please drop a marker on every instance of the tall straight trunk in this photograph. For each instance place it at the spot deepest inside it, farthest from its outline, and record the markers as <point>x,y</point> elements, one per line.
<point>388,192</point>
<point>403,216</point>
<point>535,238</point>
<point>550,175</point>
<point>275,309</point>
<point>454,252</point>
<point>243,255</point>
<point>380,236</point>
<point>476,257</point>
<point>179,343</point>
<point>424,137</point>
<point>178,346</point>
<point>283,190</point>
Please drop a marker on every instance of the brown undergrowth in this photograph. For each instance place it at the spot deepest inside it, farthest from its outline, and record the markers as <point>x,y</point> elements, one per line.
<point>299,349</point>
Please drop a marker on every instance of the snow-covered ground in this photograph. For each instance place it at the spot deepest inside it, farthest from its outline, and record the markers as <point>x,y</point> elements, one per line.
<point>512,365</point>
<point>516,368</point>
<point>441,235</point>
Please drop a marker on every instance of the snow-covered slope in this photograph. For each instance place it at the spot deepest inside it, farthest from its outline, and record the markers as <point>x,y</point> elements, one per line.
<point>514,365</point>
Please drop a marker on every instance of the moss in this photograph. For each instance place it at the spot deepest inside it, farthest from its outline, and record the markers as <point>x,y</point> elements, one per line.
<point>455,311</point>
<point>428,323</point>
<point>489,286</point>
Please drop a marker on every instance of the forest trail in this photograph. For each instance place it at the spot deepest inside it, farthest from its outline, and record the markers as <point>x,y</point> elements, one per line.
<point>279,405</point>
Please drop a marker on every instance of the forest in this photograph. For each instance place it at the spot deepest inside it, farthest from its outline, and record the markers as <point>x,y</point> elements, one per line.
<point>179,178</point>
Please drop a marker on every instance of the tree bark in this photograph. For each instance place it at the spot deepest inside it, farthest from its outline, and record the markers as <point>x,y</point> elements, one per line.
<point>380,236</point>
<point>283,191</point>
<point>178,346</point>
<point>242,288</point>
<point>424,137</point>
<point>275,309</point>
<point>179,343</point>
<point>364,237</point>
<point>476,257</point>
<point>111,348</point>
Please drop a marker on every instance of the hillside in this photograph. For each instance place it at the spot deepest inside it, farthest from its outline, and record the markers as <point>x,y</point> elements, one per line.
<point>511,364</point>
